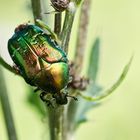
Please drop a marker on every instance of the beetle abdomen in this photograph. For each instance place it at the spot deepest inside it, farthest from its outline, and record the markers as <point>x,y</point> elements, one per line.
<point>53,78</point>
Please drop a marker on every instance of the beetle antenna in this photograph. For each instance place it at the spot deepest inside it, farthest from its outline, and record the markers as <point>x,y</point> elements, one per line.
<point>72,97</point>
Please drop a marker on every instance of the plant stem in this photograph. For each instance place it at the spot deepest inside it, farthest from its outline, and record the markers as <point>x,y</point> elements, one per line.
<point>57,23</point>
<point>7,109</point>
<point>81,43</point>
<point>56,115</point>
<point>67,27</point>
<point>82,33</point>
<point>7,66</point>
<point>36,7</point>
<point>72,108</point>
<point>56,123</point>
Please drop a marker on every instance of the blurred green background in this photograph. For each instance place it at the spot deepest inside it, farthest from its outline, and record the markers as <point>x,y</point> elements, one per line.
<point>117,23</point>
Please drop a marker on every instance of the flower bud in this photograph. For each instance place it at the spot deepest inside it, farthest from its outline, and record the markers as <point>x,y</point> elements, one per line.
<point>60,5</point>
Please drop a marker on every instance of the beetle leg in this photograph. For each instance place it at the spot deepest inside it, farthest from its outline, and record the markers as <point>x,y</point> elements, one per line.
<point>50,102</point>
<point>67,95</point>
<point>72,97</point>
<point>42,97</point>
<point>45,26</point>
<point>16,69</point>
<point>70,79</point>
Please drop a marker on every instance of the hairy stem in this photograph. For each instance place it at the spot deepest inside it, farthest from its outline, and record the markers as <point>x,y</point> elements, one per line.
<point>82,33</point>
<point>7,109</point>
<point>81,43</point>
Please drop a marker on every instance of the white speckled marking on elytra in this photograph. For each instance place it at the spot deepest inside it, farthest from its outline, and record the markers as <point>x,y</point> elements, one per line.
<point>26,33</point>
<point>25,51</point>
<point>34,42</point>
<point>53,41</point>
<point>18,39</point>
<point>36,35</point>
<point>18,49</point>
<point>15,51</point>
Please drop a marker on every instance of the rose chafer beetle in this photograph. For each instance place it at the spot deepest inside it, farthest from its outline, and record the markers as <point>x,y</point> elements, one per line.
<point>40,60</point>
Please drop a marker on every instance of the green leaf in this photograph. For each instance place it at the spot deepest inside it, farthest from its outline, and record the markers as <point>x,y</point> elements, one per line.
<point>93,88</point>
<point>112,88</point>
<point>94,60</point>
<point>85,106</point>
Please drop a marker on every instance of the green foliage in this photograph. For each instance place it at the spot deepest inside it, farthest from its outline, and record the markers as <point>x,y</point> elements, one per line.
<point>93,88</point>
<point>8,116</point>
<point>85,106</point>
<point>94,92</point>
<point>112,88</point>
<point>94,60</point>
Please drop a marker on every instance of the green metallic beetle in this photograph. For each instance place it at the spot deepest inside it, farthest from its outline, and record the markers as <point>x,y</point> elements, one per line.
<point>40,60</point>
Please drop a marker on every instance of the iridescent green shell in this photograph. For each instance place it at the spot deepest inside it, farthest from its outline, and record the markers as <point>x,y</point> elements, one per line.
<point>39,58</point>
